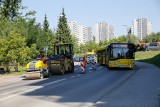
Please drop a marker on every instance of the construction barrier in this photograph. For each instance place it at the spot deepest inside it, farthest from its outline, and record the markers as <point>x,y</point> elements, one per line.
<point>93,65</point>
<point>82,67</point>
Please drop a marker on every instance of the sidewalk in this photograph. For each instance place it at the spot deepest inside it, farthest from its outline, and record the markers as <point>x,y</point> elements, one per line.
<point>4,79</point>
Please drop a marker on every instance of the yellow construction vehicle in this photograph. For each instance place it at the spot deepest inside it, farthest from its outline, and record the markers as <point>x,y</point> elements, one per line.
<point>62,60</point>
<point>37,69</point>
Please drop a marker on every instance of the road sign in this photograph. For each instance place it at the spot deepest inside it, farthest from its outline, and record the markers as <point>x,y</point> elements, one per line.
<point>45,48</point>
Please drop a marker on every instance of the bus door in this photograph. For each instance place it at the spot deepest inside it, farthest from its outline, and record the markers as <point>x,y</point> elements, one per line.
<point>107,55</point>
<point>103,57</point>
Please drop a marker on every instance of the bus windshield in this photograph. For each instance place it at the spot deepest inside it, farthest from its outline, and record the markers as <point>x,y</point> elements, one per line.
<point>121,52</point>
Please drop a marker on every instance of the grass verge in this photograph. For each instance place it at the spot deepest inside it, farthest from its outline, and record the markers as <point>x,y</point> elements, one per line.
<point>152,57</point>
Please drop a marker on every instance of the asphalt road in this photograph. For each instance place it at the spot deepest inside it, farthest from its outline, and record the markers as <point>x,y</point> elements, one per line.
<point>96,88</point>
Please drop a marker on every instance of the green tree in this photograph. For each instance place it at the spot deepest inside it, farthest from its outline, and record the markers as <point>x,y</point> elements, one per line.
<point>158,36</point>
<point>63,32</point>
<point>32,30</point>
<point>75,44</point>
<point>101,43</point>
<point>45,38</point>
<point>83,48</point>
<point>153,37</point>
<point>111,41</point>
<point>148,38</point>
<point>13,49</point>
<point>91,45</point>
<point>9,9</point>
<point>132,39</point>
<point>121,39</point>
<point>45,24</point>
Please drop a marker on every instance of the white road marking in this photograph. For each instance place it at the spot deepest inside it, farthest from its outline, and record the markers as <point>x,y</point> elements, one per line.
<point>28,90</point>
<point>53,82</point>
<point>10,92</point>
<point>32,88</point>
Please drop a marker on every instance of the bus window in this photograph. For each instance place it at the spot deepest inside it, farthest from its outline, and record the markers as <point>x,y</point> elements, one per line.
<point>117,53</point>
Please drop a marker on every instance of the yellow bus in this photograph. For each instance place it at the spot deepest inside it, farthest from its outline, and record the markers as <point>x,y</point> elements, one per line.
<point>101,55</point>
<point>119,55</point>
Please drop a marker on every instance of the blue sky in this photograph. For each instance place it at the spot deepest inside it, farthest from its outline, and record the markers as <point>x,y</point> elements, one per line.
<point>88,12</point>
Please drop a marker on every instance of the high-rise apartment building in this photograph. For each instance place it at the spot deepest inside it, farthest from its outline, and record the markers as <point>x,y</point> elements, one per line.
<point>149,28</point>
<point>73,27</point>
<point>141,27</point>
<point>82,34</point>
<point>96,32</point>
<point>75,30</point>
<point>111,32</point>
<point>102,31</point>
<point>89,36</point>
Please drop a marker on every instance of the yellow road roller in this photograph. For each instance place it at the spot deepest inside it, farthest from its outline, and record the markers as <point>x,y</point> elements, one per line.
<point>62,59</point>
<point>37,69</point>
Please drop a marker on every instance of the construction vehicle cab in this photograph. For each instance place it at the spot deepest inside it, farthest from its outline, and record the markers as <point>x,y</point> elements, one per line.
<point>62,60</point>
